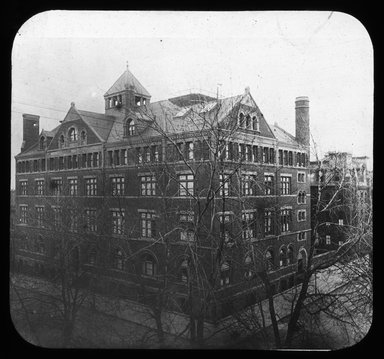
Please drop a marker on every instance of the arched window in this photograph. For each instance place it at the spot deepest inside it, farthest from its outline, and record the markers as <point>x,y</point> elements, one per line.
<point>248,266</point>
<point>241,120</point>
<point>255,123</point>
<point>184,271</point>
<point>301,197</point>
<point>301,260</point>
<point>269,259</point>
<point>290,255</point>
<point>42,142</point>
<point>129,128</point>
<point>72,134</point>
<point>83,137</point>
<point>118,259</point>
<point>283,257</point>
<point>248,122</point>
<point>149,266</point>
<point>225,277</point>
<point>61,141</point>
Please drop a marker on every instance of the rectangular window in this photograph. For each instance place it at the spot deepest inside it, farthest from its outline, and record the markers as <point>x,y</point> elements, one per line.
<point>57,186</point>
<point>301,236</point>
<point>224,185</point>
<point>268,223</point>
<point>341,222</point>
<point>285,154</point>
<point>24,214</point>
<point>51,164</point>
<point>96,159</point>
<point>268,184</point>
<point>285,185</point>
<point>23,187</point>
<point>290,158</point>
<point>189,150</point>
<point>118,220</point>
<point>155,153</point>
<point>57,217</point>
<point>40,216</point>
<point>248,185</point>
<point>327,239</point>
<point>301,177</point>
<point>186,220</point>
<point>139,156</point>
<point>61,163</point>
<point>43,164</point>
<point>148,185</point>
<point>69,162</point>
<point>110,158</point>
<point>124,157</point>
<point>148,225</point>
<point>147,154</point>
<point>89,160</point>
<point>255,154</point>
<point>91,187</point>
<point>72,186</point>
<point>285,220</point>
<point>90,220</point>
<point>186,185</point>
<point>35,166</point>
<point>280,157</point>
<point>116,157</point>
<point>84,160</point>
<point>248,224</point>
<point>226,229</point>
<point>117,186</point>
<point>301,215</point>
<point>39,187</point>
<point>271,155</point>
<point>74,161</point>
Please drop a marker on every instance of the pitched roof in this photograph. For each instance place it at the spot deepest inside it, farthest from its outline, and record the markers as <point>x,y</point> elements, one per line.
<point>99,122</point>
<point>125,81</point>
<point>282,135</point>
<point>51,133</point>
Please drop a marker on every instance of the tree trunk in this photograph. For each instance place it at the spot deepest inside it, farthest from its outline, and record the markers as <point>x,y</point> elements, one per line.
<point>292,324</point>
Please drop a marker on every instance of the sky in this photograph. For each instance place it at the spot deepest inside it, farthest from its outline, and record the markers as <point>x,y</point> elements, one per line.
<point>59,57</point>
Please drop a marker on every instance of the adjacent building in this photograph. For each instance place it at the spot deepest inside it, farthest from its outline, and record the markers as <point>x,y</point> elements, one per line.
<point>342,185</point>
<point>192,192</point>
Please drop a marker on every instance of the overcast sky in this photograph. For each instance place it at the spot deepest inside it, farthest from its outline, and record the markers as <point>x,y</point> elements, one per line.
<point>61,57</point>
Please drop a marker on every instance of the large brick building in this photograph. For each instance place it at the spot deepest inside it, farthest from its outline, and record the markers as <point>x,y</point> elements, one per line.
<point>193,191</point>
<point>342,185</point>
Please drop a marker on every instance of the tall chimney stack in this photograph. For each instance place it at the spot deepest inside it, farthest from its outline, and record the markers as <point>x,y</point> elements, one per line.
<point>30,130</point>
<point>302,120</point>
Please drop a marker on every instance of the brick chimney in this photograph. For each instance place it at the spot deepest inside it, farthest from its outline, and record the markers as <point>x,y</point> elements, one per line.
<point>30,130</point>
<point>302,120</point>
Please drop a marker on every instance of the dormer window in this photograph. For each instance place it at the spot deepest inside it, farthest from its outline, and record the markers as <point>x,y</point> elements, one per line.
<point>61,141</point>
<point>248,122</point>
<point>241,120</point>
<point>83,137</point>
<point>255,123</point>
<point>129,129</point>
<point>42,142</point>
<point>72,134</point>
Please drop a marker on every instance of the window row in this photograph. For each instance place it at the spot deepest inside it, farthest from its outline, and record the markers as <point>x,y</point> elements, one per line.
<point>291,158</point>
<point>86,220</point>
<point>72,138</point>
<point>285,258</point>
<point>85,160</point>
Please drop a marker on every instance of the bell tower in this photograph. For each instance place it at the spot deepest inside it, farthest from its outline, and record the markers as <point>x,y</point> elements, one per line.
<point>125,95</point>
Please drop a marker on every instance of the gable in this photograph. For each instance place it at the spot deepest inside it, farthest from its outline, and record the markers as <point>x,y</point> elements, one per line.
<point>74,120</point>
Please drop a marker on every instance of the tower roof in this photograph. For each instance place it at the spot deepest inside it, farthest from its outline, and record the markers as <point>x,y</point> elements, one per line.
<point>125,81</point>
